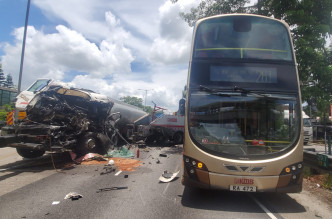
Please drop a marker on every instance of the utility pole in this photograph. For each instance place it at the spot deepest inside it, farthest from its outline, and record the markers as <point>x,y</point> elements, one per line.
<point>146,93</point>
<point>22,56</point>
<point>23,47</point>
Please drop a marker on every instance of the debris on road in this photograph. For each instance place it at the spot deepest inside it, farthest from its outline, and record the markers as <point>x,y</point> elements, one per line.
<point>168,177</point>
<point>162,155</point>
<point>123,152</point>
<point>123,164</point>
<point>125,176</point>
<point>55,202</point>
<point>112,188</point>
<point>118,173</point>
<point>158,161</point>
<point>108,169</point>
<point>73,196</point>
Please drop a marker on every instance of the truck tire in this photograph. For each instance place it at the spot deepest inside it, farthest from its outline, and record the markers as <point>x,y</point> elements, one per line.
<point>28,153</point>
<point>178,138</point>
<point>87,143</point>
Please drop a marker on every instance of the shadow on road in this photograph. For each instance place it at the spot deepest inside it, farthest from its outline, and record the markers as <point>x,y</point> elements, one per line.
<point>61,161</point>
<point>237,202</point>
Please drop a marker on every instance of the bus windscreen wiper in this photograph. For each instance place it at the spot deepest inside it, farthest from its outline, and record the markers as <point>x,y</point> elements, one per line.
<point>228,92</point>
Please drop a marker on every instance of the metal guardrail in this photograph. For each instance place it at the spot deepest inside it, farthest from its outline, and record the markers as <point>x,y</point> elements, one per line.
<point>316,160</point>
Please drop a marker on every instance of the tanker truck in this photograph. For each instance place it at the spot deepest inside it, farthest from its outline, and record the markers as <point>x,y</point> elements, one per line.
<point>54,116</point>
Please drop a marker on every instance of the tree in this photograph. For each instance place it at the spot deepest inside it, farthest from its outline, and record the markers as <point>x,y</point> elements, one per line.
<point>2,76</point>
<point>135,101</point>
<point>311,24</point>
<point>9,82</point>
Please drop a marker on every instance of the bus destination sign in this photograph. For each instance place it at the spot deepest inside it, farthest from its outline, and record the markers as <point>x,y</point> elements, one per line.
<point>243,74</point>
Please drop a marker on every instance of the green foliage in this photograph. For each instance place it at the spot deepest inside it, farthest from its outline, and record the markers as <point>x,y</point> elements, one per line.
<point>328,181</point>
<point>135,101</point>
<point>311,24</point>
<point>5,81</point>
<point>306,172</point>
<point>9,81</point>
<point>2,76</point>
<point>213,7</point>
<point>4,110</point>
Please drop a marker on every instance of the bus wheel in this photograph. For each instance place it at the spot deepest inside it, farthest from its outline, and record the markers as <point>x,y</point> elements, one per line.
<point>178,138</point>
<point>28,153</point>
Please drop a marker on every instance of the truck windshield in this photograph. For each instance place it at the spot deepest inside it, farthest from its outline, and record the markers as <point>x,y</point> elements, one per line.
<point>307,122</point>
<point>244,126</point>
<point>38,85</point>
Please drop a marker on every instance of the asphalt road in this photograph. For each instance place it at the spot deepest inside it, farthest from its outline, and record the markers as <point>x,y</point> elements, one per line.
<point>33,189</point>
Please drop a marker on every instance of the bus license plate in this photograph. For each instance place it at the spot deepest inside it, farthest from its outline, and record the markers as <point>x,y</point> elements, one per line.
<point>243,188</point>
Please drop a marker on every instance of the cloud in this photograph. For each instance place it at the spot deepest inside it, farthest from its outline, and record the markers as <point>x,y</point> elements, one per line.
<point>98,41</point>
<point>64,51</point>
<point>165,87</point>
<point>172,46</point>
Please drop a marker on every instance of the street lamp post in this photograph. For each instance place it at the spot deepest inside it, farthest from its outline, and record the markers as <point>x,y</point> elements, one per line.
<point>146,93</point>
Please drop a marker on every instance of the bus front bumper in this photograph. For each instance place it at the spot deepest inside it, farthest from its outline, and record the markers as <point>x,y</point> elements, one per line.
<point>280,184</point>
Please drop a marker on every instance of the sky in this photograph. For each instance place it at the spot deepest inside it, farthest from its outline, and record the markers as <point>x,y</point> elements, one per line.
<point>116,48</point>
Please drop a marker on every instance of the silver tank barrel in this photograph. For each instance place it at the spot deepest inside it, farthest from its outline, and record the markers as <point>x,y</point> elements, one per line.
<point>129,113</point>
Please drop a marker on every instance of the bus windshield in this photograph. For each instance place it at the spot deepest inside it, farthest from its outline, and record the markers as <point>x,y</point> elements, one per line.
<point>242,37</point>
<point>235,125</point>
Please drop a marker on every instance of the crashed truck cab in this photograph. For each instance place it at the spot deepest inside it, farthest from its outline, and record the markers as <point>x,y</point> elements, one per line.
<point>60,118</point>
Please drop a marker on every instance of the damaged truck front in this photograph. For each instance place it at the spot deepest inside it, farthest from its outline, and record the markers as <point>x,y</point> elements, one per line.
<point>60,118</point>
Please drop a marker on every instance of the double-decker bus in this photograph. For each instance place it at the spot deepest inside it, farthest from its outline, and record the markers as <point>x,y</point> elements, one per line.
<point>243,112</point>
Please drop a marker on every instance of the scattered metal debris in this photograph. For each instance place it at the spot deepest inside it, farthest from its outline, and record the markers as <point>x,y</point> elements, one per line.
<point>112,188</point>
<point>158,161</point>
<point>168,177</point>
<point>73,196</point>
<point>118,173</point>
<point>107,170</point>
<point>162,155</point>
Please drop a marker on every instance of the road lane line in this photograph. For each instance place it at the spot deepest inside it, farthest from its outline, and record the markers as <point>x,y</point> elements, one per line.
<point>177,167</point>
<point>142,198</point>
<point>271,215</point>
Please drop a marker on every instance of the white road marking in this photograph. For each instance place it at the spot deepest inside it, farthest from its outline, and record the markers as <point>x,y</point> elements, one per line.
<point>177,167</point>
<point>142,198</point>
<point>264,208</point>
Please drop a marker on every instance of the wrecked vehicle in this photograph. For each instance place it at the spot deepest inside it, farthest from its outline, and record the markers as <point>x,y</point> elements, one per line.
<point>60,118</point>
<point>159,129</point>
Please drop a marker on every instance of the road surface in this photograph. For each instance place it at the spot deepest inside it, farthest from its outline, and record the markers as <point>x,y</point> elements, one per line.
<point>34,189</point>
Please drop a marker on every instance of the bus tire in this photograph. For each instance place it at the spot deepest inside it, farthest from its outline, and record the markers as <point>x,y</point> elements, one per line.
<point>28,153</point>
<point>178,138</point>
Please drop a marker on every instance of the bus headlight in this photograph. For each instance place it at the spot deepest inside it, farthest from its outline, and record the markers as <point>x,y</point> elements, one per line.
<point>290,175</point>
<point>193,166</point>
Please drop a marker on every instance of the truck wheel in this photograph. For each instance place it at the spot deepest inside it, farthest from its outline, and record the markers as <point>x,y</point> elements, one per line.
<point>86,144</point>
<point>178,138</point>
<point>28,153</point>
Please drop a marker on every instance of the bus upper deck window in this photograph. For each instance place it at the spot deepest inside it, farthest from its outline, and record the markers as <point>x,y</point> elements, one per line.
<point>242,24</point>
